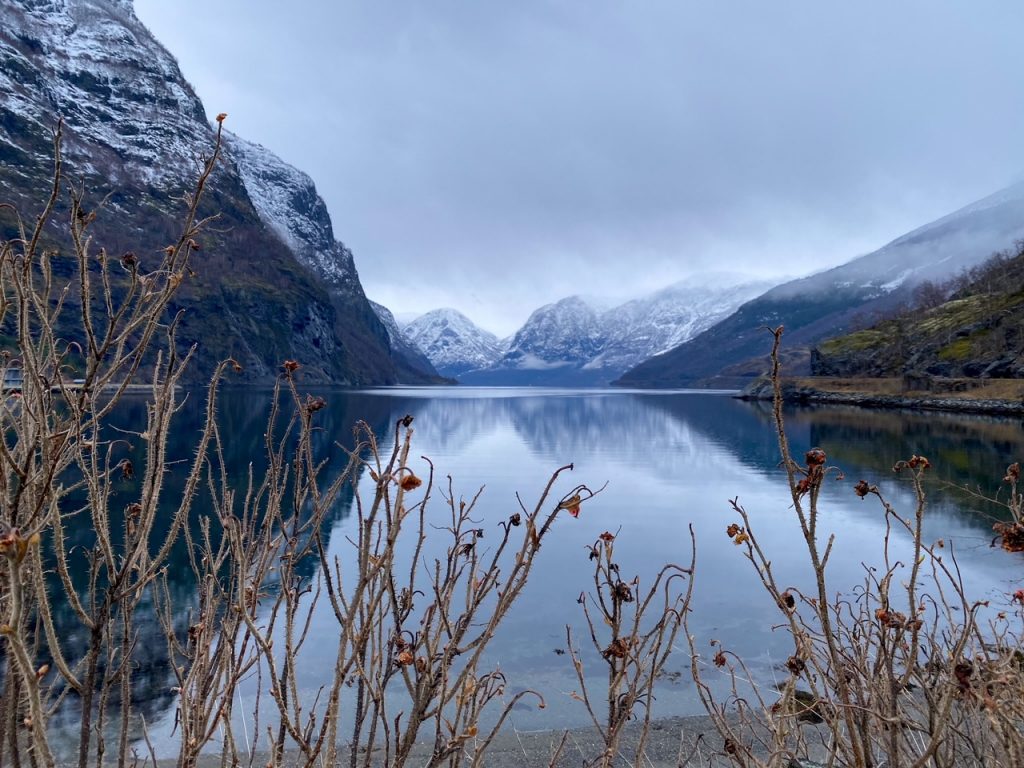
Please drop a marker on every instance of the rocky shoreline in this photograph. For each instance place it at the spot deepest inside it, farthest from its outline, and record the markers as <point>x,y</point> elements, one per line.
<point>802,394</point>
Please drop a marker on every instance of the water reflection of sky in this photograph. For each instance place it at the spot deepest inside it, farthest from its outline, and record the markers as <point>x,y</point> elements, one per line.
<point>670,460</point>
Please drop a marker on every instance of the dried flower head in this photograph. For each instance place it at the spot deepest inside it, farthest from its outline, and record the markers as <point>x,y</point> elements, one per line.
<point>622,592</point>
<point>618,649</point>
<point>572,505</point>
<point>815,457</point>
<point>918,461</point>
<point>314,404</point>
<point>410,482</point>
<point>405,658</point>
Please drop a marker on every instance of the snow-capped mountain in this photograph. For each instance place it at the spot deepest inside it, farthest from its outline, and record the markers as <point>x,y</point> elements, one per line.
<point>556,336</point>
<point>837,300</point>
<point>654,324</point>
<point>572,342</point>
<point>287,202</point>
<point>271,284</point>
<point>452,342</point>
<point>404,351</point>
<point>128,111</point>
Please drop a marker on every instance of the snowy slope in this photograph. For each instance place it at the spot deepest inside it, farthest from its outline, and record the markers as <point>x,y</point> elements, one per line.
<point>452,342</point>
<point>287,201</point>
<point>556,336</point>
<point>573,342</point>
<point>655,324</point>
<point>120,92</point>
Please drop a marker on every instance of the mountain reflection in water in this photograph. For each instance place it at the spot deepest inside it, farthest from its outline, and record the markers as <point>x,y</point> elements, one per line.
<point>670,460</point>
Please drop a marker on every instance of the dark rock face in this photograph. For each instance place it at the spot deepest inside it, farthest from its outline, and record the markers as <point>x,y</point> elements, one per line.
<point>413,366</point>
<point>133,131</point>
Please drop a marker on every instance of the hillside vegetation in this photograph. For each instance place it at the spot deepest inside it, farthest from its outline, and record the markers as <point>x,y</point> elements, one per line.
<point>969,327</point>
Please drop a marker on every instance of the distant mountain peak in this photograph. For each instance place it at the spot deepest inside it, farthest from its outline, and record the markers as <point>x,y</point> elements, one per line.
<point>453,342</point>
<point>571,342</point>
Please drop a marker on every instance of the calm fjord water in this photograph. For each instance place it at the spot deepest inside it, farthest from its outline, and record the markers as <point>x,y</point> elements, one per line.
<point>670,459</point>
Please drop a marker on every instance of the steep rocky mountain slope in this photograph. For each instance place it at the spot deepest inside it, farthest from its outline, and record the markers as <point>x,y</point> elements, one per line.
<point>551,348</point>
<point>453,342</point>
<point>271,282</point>
<point>977,333</point>
<point>652,325</point>
<point>573,343</point>
<point>839,299</point>
<point>287,202</point>
<point>413,366</point>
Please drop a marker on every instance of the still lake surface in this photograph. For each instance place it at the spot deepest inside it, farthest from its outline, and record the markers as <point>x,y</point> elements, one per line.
<point>670,459</point>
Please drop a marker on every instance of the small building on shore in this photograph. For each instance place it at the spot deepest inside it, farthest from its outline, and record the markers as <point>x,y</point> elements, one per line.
<point>13,379</point>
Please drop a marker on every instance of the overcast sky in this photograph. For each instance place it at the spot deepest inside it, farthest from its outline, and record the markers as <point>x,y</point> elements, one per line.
<point>497,155</point>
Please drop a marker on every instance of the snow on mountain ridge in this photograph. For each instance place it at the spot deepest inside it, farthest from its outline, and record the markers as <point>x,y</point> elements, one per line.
<point>287,201</point>
<point>567,330</point>
<point>99,47</point>
<point>452,342</point>
<point>572,342</point>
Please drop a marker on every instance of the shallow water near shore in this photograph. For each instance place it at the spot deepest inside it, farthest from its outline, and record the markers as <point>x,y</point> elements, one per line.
<point>670,460</point>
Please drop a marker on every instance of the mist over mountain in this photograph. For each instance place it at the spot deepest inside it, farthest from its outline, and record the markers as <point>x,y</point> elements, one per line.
<point>838,300</point>
<point>579,341</point>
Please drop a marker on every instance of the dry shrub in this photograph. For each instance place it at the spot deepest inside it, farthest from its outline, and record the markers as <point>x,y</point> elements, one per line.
<point>904,670</point>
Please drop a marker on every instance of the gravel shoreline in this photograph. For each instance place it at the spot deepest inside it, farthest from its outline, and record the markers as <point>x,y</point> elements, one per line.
<point>803,395</point>
<point>672,743</point>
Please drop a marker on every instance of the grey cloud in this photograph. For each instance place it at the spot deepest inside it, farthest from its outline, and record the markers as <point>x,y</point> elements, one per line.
<point>500,155</point>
